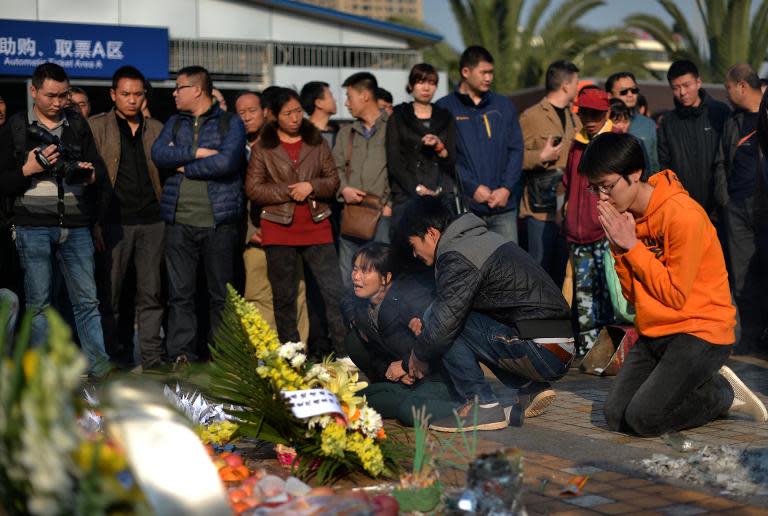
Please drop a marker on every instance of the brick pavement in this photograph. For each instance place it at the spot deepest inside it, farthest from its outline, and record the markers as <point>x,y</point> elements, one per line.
<point>577,411</point>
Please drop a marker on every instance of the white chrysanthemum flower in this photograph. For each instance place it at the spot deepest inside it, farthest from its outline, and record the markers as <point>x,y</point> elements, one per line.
<point>371,421</point>
<point>298,360</point>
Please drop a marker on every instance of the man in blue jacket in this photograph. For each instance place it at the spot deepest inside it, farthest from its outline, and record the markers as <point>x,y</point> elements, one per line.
<point>201,204</point>
<point>489,143</point>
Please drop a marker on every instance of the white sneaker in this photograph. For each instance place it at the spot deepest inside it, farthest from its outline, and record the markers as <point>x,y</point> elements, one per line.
<point>744,400</point>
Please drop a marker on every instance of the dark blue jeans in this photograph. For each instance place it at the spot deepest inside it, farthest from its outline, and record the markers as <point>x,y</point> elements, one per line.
<point>514,361</point>
<point>185,247</point>
<point>669,384</point>
<point>72,248</point>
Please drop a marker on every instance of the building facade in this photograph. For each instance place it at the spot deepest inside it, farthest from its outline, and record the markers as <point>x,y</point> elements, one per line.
<point>378,9</point>
<point>251,44</point>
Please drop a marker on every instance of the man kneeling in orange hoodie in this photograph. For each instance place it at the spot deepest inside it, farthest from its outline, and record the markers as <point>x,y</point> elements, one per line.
<point>671,268</point>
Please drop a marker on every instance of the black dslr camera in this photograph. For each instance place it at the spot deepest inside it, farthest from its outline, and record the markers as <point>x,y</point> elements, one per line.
<point>66,167</point>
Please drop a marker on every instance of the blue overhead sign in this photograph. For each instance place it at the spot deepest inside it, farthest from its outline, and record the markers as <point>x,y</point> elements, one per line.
<point>94,51</point>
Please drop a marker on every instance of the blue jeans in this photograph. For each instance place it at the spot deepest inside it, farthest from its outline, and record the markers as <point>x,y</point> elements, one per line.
<point>73,249</point>
<point>348,247</point>
<point>7,297</point>
<point>505,224</point>
<point>515,362</point>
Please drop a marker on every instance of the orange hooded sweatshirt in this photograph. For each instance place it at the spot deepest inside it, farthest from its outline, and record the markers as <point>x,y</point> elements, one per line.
<point>675,276</point>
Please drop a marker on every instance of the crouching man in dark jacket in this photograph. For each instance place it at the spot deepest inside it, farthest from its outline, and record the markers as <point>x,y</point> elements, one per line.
<point>494,304</point>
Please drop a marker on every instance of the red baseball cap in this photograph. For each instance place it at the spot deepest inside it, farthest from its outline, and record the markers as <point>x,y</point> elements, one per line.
<point>593,98</point>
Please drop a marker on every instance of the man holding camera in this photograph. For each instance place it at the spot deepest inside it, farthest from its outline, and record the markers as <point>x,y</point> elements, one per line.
<point>49,163</point>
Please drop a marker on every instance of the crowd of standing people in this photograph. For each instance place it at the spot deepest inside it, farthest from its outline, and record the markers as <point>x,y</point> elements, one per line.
<point>392,241</point>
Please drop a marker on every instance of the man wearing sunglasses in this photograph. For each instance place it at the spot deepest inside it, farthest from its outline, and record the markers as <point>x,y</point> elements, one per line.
<point>623,86</point>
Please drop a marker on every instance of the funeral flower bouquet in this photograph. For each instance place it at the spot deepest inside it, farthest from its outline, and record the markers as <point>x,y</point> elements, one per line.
<point>315,410</point>
<point>49,462</point>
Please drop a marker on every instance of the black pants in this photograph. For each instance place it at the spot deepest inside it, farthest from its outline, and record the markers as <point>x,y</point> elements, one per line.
<point>745,272</point>
<point>185,246</point>
<point>141,244</point>
<point>323,261</point>
<point>669,384</point>
<point>396,400</point>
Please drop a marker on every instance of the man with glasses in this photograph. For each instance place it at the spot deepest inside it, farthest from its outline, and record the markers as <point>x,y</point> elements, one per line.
<point>52,209</point>
<point>689,135</point>
<point>671,267</point>
<point>132,230</point>
<point>586,240</point>
<point>623,86</point>
<point>201,204</point>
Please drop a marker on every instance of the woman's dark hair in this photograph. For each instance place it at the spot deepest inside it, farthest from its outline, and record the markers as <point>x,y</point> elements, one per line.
<point>419,73</point>
<point>281,98</point>
<point>641,102</point>
<point>611,153</point>
<point>375,256</point>
<point>619,110</point>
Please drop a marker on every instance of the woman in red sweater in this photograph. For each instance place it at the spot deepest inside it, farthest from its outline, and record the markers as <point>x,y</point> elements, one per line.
<point>292,176</point>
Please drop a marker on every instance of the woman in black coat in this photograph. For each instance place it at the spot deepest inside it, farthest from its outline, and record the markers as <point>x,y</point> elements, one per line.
<point>421,149</point>
<point>380,342</point>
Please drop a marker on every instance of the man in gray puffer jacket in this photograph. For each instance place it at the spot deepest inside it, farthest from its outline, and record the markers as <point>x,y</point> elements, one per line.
<point>494,305</point>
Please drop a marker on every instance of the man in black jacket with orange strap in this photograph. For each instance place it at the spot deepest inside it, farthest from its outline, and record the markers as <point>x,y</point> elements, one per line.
<point>494,304</point>
<point>689,135</point>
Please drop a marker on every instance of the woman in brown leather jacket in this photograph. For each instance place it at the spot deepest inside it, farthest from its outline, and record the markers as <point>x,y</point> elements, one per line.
<point>292,176</point>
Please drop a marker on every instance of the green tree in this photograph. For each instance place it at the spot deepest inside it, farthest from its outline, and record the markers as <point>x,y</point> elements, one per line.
<point>730,36</point>
<point>523,46</point>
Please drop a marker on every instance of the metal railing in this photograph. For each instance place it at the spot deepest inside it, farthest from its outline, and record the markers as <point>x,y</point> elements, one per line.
<point>252,61</point>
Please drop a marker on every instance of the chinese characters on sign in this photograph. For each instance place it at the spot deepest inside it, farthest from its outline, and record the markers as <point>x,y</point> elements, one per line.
<point>82,50</point>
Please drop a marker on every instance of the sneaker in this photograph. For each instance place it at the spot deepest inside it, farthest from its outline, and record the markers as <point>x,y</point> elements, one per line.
<point>744,400</point>
<point>539,402</point>
<point>488,418</point>
<point>515,414</point>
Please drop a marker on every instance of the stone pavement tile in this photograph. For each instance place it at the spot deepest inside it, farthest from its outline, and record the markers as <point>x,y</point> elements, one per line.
<point>583,470</point>
<point>616,508</point>
<point>549,507</point>
<point>659,490</point>
<point>682,510</point>
<point>623,495</point>
<point>632,483</point>
<point>650,502</point>
<point>599,487</point>
<point>589,500</point>
<point>685,496</point>
<point>608,476</point>
<point>717,504</point>
<point>745,511</point>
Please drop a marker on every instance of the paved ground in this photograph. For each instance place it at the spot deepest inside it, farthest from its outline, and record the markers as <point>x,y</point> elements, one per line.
<point>571,438</point>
